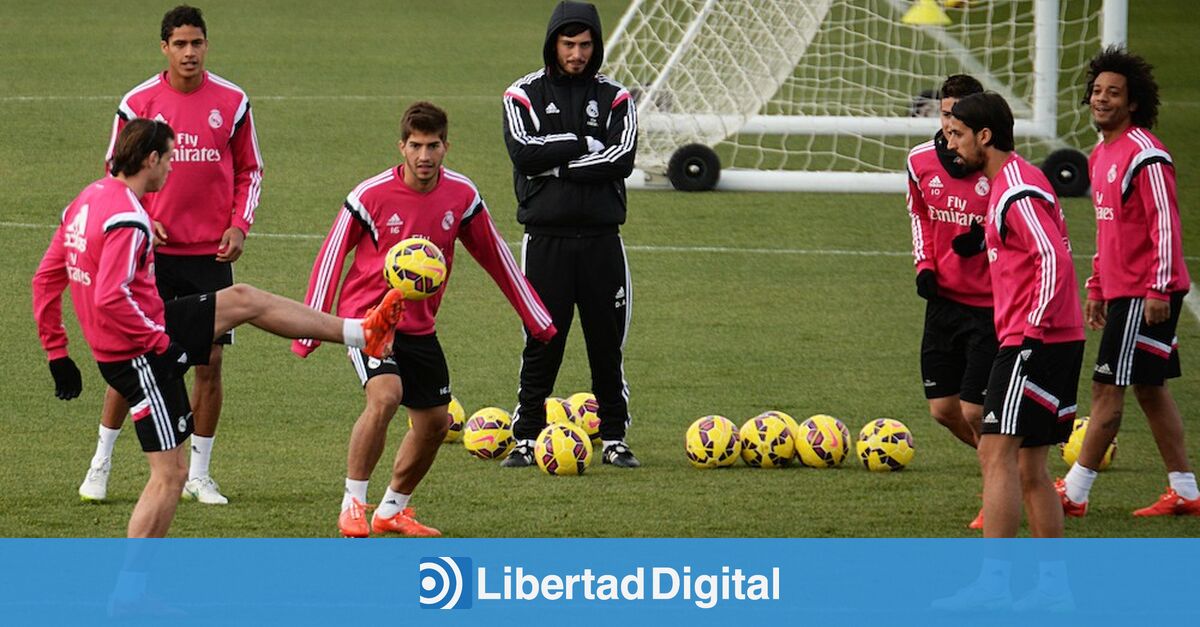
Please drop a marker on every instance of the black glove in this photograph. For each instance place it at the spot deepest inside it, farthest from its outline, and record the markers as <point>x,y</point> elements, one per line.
<point>970,243</point>
<point>927,286</point>
<point>1033,354</point>
<point>174,360</point>
<point>67,382</point>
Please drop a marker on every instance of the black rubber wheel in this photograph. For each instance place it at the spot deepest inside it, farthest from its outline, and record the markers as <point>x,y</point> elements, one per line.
<point>1067,170</point>
<point>694,168</point>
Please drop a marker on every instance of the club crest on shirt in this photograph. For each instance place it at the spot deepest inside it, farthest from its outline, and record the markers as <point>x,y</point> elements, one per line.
<point>1112,173</point>
<point>447,220</point>
<point>981,186</point>
<point>593,112</point>
<point>214,119</point>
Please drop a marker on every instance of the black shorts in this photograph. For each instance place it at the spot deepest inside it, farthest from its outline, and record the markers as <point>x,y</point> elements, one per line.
<point>158,401</point>
<point>190,322</point>
<point>1132,352</point>
<point>185,275</point>
<point>957,350</point>
<point>1042,411</point>
<point>421,365</point>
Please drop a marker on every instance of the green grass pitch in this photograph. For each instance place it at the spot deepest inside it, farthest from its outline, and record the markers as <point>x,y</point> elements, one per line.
<point>743,302</point>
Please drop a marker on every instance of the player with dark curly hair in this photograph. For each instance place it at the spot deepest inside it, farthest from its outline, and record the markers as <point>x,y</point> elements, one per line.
<point>1138,281</point>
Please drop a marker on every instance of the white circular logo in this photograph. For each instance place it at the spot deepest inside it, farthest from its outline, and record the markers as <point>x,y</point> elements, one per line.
<point>442,583</point>
<point>373,363</point>
<point>1112,173</point>
<point>593,109</point>
<point>214,119</point>
<point>182,425</point>
<point>981,186</point>
<point>447,220</point>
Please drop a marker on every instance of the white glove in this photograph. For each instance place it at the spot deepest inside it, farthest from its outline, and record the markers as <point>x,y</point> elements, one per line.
<point>594,145</point>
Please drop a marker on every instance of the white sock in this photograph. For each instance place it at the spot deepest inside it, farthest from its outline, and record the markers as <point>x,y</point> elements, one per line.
<point>355,489</point>
<point>1184,484</point>
<point>607,443</point>
<point>104,447</point>
<point>201,455</point>
<point>392,503</point>
<point>1079,482</point>
<point>353,334</point>
<point>1052,578</point>
<point>995,574</point>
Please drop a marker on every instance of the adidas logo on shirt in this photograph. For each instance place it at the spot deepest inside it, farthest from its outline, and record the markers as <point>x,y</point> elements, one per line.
<point>394,223</point>
<point>551,109</point>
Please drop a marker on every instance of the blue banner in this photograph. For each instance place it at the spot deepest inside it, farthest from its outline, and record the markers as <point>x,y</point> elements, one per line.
<point>592,582</point>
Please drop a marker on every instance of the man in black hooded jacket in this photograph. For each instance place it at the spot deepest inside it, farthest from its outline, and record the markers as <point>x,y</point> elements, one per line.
<point>571,133</point>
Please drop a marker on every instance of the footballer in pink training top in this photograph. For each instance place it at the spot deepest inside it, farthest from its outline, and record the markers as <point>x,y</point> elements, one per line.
<point>418,198</point>
<point>103,250</point>
<point>946,200</point>
<point>200,219</point>
<point>1032,389</point>
<point>1138,282</point>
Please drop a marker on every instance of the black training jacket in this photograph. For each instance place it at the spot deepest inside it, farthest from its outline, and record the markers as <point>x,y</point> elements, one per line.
<point>562,187</point>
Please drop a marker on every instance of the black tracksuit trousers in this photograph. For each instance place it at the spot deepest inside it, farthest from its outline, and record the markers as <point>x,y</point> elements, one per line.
<point>589,272</point>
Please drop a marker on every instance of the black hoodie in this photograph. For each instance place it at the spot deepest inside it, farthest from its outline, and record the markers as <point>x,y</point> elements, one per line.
<point>563,188</point>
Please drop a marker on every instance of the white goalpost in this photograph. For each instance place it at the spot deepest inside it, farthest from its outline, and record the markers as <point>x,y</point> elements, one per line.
<point>829,95</point>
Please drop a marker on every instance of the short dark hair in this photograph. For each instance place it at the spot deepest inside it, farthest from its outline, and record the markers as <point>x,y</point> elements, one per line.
<point>182,15</point>
<point>987,110</point>
<point>1139,82</point>
<point>571,29</point>
<point>959,86</point>
<point>424,117</point>
<point>136,141</point>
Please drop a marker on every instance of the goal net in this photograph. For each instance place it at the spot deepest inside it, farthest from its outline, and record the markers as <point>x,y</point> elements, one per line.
<point>798,94</point>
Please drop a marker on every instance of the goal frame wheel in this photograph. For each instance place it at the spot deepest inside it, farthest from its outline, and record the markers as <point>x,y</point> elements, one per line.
<point>694,168</point>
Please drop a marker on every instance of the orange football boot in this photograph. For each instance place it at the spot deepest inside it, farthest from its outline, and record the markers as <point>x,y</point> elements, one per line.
<point>1070,508</point>
<point>1171,504</point>
<point>353,520</point>
<point>379,326</point>
<point>403,524</point>
<point>978,522</point>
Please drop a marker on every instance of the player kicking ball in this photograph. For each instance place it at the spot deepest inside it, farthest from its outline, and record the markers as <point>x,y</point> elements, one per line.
<point>418,198</point>
<point>104,250</point>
